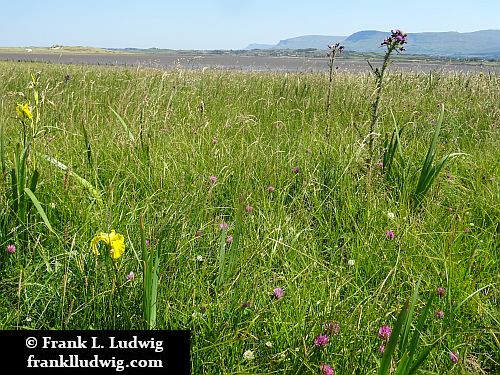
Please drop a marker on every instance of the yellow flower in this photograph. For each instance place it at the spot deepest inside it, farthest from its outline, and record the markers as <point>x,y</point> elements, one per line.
<point>115,242</point>
<point>23,111</point>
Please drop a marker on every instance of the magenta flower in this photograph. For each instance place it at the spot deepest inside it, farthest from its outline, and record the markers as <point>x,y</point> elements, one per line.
<point>229,239</point>
<point>384,332</point>
<point>439,314</point>
<point>326,370</point>
<point>249,209</point>
<point>131,276</point>
<point>321,340</point>
<point>396,40</point>
<point>454,357</point>
<point>389,234</point>
<point>270,189</point>
<point>381,348</point>
<point>278,293</point>
<point>147,242</point>
<point>332,328</point>
<point>296,170</point>
<point>380,164</point>
<point>441,291</point>
<point>223,226</point>
<point>11,249</point>
<point>213,180</point>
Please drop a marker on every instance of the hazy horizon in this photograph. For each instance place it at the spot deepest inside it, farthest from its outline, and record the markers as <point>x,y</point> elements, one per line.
<point>224,24</point>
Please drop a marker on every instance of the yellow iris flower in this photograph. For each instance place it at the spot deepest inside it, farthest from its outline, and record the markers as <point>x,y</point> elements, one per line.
<point>114,241</point>
<point>23,111</point>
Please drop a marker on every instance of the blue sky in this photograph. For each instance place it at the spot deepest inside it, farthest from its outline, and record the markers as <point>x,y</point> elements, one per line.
<point>226,24</point>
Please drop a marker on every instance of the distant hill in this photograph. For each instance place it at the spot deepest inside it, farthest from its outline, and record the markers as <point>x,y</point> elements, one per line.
<point>479,44</point>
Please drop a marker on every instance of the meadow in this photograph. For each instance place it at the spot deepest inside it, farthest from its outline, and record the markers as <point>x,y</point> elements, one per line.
<point>270,229</point>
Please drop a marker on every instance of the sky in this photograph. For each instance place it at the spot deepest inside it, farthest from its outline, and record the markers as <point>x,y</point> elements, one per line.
<point>226,24</point>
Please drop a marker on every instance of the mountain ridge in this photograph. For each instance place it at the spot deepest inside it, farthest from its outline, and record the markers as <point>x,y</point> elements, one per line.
<point>478,44</point>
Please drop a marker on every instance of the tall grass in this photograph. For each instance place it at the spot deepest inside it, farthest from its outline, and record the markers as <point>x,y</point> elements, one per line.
<point>318,236</point>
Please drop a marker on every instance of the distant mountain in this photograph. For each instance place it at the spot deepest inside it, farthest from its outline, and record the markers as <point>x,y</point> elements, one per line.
<point>481,44</point>
<point>260,46</point>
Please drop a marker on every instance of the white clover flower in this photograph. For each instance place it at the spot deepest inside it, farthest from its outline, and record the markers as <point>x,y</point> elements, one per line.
<point>269,344</point>
<point>248,355</point>
<point>390,215</point>
<point>199,258</point>
<point>350,262</point>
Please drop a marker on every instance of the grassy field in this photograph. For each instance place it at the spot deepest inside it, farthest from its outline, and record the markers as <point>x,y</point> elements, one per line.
<point>258,152</point>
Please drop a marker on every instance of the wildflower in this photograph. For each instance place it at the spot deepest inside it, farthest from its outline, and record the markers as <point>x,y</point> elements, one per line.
<point>454,357</point>
<point>381,348</point>
<point>248,355</point>
<point>380,164</point>
<point>296,170</point>
<point>199,258</point>
<point>390,215</point>
<point>197,234</point>
<point>229,239</point>
<point>384,332</point>
<point>11,249</point>
<point>440,291</point>
<point>321,340</point>
<point>439,314</point>
<point>269,344</point>
<point>131,276</point>
<point>215,141</point>
<point>396,40</point>
<point>213,180</point>
<point>466,230</point>
<point>351,262</point>
<point>333,328</point>
<point>278,293</point>
<point>326,370</point>
<point>115,242</point>
<point>389,234</point>
<point>270,189</point>
<point>249,209</point>
<point>147,243</point>
<point>23,111</point>
<point>223,226</point>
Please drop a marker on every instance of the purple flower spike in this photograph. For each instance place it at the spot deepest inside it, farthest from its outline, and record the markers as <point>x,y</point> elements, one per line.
<point>296,170</point>
<point>454,357</point>
<point>229,239</point>
<point>381,349</point>
<point>326,370</point>
<point>440,314</point>
<point>270,188</point>
<point>197,234</point>
<point>278,293</point>
<point>332,328</point>
<point>389,234</point>
<point>440,291</point>
<point>249,209</point>
<point>321,340</point>
<point>213,180</point>
<point>11,249</point>
<point>384,332</point>
<point>131,276</point>
<point>223,226</point>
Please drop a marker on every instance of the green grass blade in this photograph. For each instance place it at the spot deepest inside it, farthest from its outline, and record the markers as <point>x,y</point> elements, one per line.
<point>93,190</point>
<point>421,358</point>
<point>407,326</point>
<point>39,208</point>
<point>222,259</point>
<point>420,326</point>
<point>125,126</point>
<point>385,364</point>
